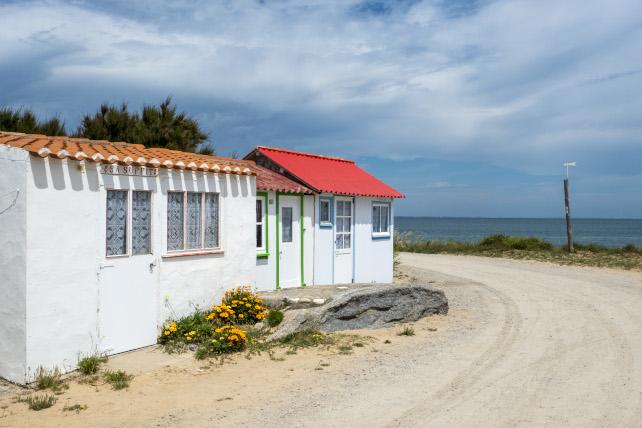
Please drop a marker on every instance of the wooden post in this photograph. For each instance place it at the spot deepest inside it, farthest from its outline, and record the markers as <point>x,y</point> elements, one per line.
<point>569,226</point>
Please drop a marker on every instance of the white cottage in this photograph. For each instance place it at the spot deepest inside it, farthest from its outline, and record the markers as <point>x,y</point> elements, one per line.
<point>320,220</point>
<point>101,242</point>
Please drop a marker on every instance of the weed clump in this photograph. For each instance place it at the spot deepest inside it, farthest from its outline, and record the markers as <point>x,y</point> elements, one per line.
<point>407,331</point>
<point>50,379</point>
<point>274,317</point>
<point>89,365</point>
<point>38,402</point>
<point>118,379</point>
<point>75,408</point>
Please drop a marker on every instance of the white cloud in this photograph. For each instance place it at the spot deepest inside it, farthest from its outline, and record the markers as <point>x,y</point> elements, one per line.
<point>517,83</point>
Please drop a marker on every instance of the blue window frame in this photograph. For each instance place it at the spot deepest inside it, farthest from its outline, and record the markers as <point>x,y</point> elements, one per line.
<point>326,211</point>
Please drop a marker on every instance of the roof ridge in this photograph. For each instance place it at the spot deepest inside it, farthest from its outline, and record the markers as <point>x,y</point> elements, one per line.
<point>312,155</point>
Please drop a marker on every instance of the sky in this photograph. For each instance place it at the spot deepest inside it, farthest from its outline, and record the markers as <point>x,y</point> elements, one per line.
<point>469,108</point>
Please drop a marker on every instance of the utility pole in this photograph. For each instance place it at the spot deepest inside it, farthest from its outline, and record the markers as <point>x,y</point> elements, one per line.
<point>567,207</point>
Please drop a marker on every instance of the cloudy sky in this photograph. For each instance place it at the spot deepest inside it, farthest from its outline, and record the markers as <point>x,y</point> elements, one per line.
<point>467,107</point>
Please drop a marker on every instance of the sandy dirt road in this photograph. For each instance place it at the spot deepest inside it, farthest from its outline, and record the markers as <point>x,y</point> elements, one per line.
<point>525,344</point>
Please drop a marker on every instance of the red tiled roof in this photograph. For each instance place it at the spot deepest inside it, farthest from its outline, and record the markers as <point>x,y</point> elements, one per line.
<point>122,153</point>
<point>329,174</point>
<point>268,180</point>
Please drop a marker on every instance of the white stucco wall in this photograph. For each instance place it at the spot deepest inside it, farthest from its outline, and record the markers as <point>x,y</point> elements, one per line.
<point>191,281</point>
<point>13,263</point>
<point>373,257</point>
<point>323,249</point>
<point>65,247</point>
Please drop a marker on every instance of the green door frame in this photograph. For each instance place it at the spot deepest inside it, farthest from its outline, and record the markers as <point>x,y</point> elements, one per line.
<point>278,238</point>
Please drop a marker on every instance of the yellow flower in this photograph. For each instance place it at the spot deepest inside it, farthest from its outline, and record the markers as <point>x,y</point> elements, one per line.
<point>218,330</point>
<point>166,333</point>
<point>241,316</point>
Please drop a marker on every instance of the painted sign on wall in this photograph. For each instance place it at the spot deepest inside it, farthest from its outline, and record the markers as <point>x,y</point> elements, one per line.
<point>142,171</point>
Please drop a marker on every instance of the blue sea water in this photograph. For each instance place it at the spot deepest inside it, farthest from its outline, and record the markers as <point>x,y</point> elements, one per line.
<point>608,232</point>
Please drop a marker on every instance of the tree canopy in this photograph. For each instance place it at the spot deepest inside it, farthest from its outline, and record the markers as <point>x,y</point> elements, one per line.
<point>19,120</point>
<point>155,126</point>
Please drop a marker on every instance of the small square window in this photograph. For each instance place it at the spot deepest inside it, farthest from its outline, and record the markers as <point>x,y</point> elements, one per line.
<point>380,220</point>
<point>325,212</point>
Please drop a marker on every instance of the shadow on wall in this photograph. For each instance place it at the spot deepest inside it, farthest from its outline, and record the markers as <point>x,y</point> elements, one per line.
<point>51,173</point>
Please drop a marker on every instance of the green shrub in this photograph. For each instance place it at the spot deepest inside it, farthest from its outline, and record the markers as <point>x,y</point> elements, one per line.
<point>118,379</point>
<point>50,379</point>
<point>631,248</point>
<point>505,242</point>
<point>89,365</point>
<point>274,317</point>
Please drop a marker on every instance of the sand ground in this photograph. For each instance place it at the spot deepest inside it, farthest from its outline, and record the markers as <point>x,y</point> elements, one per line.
<point>525,344</point>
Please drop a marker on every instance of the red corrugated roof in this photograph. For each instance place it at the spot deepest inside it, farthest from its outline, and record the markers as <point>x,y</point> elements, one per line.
<point>266,179</point>
<point>329,174</point>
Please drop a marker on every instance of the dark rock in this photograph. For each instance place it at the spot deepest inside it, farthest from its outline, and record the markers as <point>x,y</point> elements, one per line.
<point>374,306</point>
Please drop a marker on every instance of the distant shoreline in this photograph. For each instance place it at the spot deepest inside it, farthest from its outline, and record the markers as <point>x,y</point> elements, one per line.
<point>516,218</point>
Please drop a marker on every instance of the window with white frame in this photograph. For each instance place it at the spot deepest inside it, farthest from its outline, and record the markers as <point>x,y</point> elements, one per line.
<point>260,225</point>
<point>380,219</point>
<point>343,225</point>
<point>325,215</point>
<point>192,221</point>
<point>128,223</point>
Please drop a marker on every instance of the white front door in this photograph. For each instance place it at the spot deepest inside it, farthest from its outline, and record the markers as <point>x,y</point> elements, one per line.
<point>289,241</point>
<point>127,275</point>
<point>343,241</point>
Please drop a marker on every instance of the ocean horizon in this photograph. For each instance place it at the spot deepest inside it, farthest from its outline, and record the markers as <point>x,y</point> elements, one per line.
<point>610,232</point>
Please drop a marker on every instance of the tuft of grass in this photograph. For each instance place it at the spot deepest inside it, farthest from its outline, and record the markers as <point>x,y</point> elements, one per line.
<point>50,379</point>
<point>407,331</point>
<point>75,408</point>
<point>118,379</point>
<point>38,402</point>
<point>201,353</point>
<point>274,317</point>
<point>345,349</point>
<point>307,339</point>
<point>91,364</point>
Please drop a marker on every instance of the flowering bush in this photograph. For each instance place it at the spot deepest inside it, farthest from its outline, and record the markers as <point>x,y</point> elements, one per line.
<point>244,304</point>
<point>194,328</point>
<point>223,313</point>
<point>228,339</point>
<point>215,331</point>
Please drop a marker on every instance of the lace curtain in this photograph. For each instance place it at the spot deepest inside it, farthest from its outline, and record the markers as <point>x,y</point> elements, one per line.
<point>193,221</point>
<point>211,220</point>
<point>174,221</point>
<point>116,237</point>
<point>141,223</point>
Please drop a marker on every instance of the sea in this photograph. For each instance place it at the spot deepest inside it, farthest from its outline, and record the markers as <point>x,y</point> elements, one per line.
<point>607,232</point>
